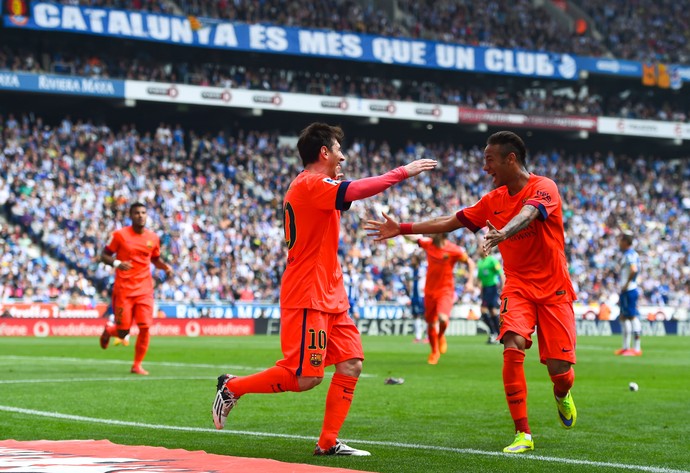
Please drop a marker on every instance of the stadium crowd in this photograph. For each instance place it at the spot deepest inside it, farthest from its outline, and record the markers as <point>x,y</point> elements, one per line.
<point>451,21</point>
<point>154,6</point>
<point>503,23</point>
<point>654,35</point>
<point>29,274</point>
<point>550,98</point>
<point>215,199</point>
<point>644,30</point>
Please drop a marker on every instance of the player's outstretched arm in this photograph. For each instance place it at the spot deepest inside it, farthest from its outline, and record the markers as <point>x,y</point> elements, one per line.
<point>370,186</point>
<point>390,228</point>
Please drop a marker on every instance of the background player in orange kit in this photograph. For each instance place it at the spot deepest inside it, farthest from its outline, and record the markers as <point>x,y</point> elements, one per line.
<point>316,330</point>
<point>131,252</point>
<point>525,220</point>
<point>439,290</point>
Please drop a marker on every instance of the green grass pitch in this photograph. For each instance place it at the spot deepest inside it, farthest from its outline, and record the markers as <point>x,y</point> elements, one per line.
<point>445,418</point>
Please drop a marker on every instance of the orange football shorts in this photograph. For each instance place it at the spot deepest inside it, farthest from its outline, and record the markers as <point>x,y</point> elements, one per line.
<point>311,340</point>
<point>554,323</point>
<point>137,308</point>
<point>436,304</point>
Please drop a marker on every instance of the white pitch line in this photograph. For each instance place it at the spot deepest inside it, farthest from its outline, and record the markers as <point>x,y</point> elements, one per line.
<point>464,451</point>
<point>220,368</point>
<point>86,380</point>
<point>60,359</point>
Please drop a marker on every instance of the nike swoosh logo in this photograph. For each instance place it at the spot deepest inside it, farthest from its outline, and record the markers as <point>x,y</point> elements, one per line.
<point>566,350</point>
<point>348,391</point>
<point>514,393</point>
<point>567,422</point>
<point>496,212</point>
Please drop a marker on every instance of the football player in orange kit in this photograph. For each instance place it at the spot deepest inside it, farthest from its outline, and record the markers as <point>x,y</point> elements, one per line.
<point>316,330</point>
<point>525,220</point>
<point>439,290</point>
<point>131,251</point>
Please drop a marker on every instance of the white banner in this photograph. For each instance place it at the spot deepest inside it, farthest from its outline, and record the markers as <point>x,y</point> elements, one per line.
<point>650,128</point>
<point>268,100</point>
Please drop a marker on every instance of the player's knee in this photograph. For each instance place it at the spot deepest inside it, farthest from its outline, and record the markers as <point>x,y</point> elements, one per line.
<point>514,340</point>
<point>308,382</point>
<point>351,367</point>
<point>556,367</point>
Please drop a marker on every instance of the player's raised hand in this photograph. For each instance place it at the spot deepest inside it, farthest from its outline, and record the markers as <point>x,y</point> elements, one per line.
<point>420,165</point>
<point>389,228</point>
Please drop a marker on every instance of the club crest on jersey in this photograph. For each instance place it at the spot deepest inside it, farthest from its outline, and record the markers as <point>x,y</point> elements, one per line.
<point>149,244</point>
<point>328,180</point>
<point>316,359</point>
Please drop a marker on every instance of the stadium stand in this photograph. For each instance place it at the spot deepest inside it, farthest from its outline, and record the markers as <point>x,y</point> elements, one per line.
<point>215,199</point>
<point>549,97</point>
<point>162,6</point>
<point>214,181</point>
<point>645,30</point>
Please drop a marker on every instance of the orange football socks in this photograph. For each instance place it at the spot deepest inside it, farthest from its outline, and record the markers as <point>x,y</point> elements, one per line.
<point>338,401</point>
<point>516,387</point>
<point>433,337</point>
<point>442,326</point>
<point>563,382</point>
<point>141,346</point>
<point>273,380</point>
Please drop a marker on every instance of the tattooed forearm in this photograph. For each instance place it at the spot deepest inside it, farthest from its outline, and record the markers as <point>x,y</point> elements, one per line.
<point>520,221</point>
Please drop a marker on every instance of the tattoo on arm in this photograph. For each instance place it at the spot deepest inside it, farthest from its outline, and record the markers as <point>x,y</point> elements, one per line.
<point>520,221</point>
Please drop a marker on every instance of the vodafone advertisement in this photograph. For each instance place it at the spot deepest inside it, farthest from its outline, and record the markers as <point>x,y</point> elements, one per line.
<point>10,327</point>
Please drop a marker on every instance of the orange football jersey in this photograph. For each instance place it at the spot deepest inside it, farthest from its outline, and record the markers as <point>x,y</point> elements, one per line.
<point>439,273</point>
<point>534,259</point>
<point>139,249</point>
<point>313,278</point>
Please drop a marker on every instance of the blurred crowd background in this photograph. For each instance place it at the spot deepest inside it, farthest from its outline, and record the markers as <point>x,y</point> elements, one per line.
<point>214,188</point>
